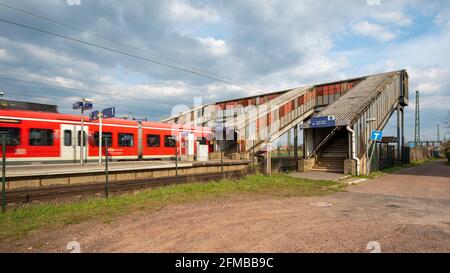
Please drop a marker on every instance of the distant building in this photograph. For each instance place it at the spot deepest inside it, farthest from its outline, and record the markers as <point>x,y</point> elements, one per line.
<point>27,106</point>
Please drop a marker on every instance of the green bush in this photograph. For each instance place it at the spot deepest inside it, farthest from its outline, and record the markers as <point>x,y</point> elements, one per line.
<point>447,154</point>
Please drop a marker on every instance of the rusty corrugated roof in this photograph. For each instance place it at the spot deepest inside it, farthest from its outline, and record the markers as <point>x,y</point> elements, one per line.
<point>348,107</point>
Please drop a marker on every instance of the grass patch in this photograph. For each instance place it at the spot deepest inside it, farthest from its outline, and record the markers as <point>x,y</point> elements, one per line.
<point>376,174</point>
<point>18,222</point>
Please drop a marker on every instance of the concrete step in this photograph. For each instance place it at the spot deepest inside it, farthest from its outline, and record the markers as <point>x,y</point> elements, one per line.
<point>338,170</point>
<point>330,163</point>
<point>333,154</point>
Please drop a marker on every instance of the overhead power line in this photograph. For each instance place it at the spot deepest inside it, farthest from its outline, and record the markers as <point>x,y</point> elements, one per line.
<point>204,75</point>
<point>84,90</point>
<point>96,35</point>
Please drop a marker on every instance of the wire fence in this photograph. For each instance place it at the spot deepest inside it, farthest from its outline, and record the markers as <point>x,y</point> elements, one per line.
<point>65,155</point>
<point>386,156</point>
<point>71,162</point>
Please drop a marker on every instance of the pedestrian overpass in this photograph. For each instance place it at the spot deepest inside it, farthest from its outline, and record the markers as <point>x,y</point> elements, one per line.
<point>356,106</point>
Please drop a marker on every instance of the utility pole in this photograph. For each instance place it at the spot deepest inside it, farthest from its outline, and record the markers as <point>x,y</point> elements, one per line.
<point>417,120</point>
<point>438,137</point>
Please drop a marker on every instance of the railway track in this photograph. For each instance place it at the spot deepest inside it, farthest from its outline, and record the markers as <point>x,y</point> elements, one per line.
<point>49,193</point>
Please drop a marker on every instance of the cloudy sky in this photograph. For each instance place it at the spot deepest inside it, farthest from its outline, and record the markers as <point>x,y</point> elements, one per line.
<point>264,45</point>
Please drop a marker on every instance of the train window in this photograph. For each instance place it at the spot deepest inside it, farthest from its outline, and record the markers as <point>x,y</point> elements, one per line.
<point>126,140</point>
<point>41,137</point>
<point>106,138</point>
<point>153,141</point>
<point>169,141</point>
<point>12,136</point>
<point>79,139</point>
<point>67,137</point>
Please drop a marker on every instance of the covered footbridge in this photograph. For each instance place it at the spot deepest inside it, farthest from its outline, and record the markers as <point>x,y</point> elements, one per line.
<point>354,107</point>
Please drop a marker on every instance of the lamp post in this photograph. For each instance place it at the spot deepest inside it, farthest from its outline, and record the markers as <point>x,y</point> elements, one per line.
<point>84,104</point>
<point>100,137</point>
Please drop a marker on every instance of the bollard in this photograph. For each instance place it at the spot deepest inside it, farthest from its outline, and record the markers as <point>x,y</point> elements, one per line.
<point>4,173</point>
<point>106,169</point>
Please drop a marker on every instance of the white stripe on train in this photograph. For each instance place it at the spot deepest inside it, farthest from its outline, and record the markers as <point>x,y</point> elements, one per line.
<point>104,125</point>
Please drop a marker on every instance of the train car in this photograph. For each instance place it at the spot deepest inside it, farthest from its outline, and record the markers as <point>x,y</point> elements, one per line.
<point>159,139</point>
<point>42,136</point>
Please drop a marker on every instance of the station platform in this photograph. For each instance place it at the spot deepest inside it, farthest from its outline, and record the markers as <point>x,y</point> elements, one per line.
<point>40,175</point>
<point>37,169</point>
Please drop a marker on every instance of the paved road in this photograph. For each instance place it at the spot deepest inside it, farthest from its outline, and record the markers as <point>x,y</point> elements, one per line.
<point>426,181</point>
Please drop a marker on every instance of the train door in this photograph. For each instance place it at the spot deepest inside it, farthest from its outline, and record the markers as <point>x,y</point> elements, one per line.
<point>71,142</point>
<point>187,145</point>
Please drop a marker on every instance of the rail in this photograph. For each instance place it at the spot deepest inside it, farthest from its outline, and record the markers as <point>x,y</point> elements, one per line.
<point>52,192</point>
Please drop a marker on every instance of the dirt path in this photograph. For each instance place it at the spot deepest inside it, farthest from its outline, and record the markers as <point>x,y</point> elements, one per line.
<point>426,181</point>
<point>267,224</point>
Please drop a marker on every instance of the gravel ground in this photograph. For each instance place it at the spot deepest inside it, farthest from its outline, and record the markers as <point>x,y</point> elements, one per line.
<point>342,222</point>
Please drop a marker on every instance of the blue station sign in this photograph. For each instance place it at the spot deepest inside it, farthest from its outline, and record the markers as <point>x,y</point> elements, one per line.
<point>376,135</point>
<point>323,121</point>
<point>94,115</point>
<point>105,113</point>
<point>109,112</point>
<point>84,106</point>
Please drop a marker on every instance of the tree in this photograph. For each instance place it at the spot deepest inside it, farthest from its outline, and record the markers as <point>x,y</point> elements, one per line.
<point>446,149</point>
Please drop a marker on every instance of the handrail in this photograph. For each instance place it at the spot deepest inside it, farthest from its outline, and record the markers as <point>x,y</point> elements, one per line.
<point>323,142</point>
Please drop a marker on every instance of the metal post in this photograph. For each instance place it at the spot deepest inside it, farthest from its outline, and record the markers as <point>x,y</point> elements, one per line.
<point>4,173</point>
<point>289,142</point>
<point>278,161</point>
<point>100,135</point>
<point>106,169</point>
<point>398,135</point>
<point>403,131</point>
<point>82,135</point>
<point>253,157</point>
<point>268,159</point>
<point>221,164</point>
<point>176,158</point>
<point>367,156</point>
<point>370,161</point>
<point>296,144</point>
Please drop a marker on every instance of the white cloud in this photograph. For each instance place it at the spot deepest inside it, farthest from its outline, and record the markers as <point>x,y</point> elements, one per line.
<point>443,18</point>
<point>4,55</point>
<point>375,31</point>
<point>216,47</point>
<point>395,17</point>
<point>183,11</point>
<point>373,2</point>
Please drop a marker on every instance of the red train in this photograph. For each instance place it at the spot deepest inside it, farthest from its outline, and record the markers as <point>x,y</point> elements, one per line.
<point>42,136</point>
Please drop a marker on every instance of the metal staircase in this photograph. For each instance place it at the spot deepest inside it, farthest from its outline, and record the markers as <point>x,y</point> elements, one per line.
<point>331,157</point>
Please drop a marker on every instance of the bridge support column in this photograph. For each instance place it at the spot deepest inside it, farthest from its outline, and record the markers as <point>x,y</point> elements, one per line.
<point>399,152</point>
<point>296,143</point>
<point>403,129</point>
<point>268,164</point>
<point>289,142</point>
